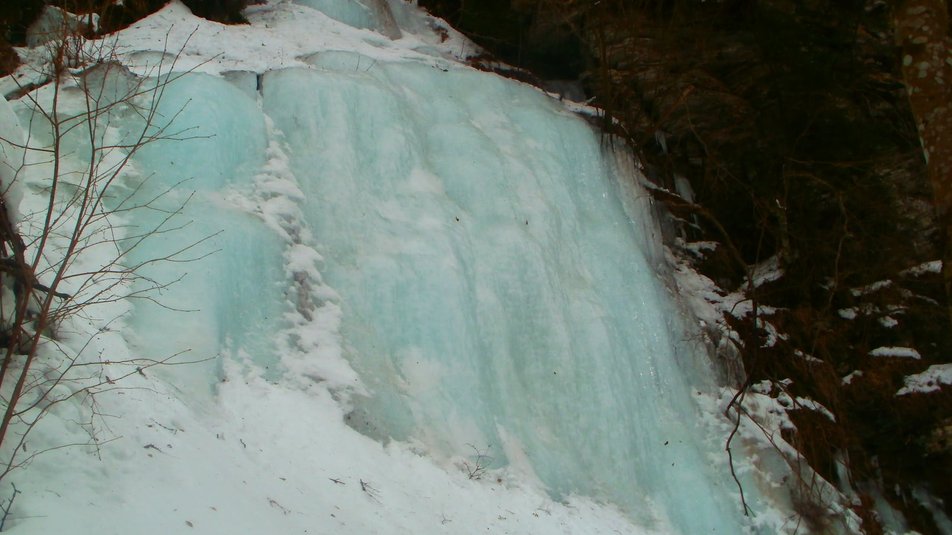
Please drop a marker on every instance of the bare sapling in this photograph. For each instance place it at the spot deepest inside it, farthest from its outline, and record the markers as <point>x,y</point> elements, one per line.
<point>66,251</point>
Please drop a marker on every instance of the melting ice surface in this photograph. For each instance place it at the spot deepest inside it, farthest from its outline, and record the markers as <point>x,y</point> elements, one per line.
<point>462,241</point>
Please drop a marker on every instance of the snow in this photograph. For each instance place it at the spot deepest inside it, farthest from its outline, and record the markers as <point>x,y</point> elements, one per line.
<point>850,377</point>
<point>767,271</point>
<point>761,417</point>
<point>888,322</point>
<point>806,357</point>
<point>900,352</point>
<point>698,248</point>
<point>847,313</point>
<point>382,266</point>
<point>871,288</point>
<point>934,266</point>
<point>240,468</point>
<point>931,380</point>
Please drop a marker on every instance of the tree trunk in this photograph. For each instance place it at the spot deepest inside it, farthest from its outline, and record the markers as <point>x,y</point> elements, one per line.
<point>922,32</point>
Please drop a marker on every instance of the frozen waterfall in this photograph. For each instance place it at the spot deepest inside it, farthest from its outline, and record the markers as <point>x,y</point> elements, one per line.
<point>453,258</point>
<point>495,293</point>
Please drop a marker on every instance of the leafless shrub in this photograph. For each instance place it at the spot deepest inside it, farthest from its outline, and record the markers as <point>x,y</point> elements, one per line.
<point>478,464</point>
<point>73,253</point>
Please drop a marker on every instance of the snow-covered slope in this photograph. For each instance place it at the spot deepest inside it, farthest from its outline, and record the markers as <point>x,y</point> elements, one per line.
<point>420,299</point>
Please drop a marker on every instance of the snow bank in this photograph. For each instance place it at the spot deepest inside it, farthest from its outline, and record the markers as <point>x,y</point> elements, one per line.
<point>930,380</point>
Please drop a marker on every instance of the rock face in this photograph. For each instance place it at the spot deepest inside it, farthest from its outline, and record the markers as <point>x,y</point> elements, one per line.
<point>791,124</point>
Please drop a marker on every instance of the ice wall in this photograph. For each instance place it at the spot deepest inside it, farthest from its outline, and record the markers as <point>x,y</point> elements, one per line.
<point>461,239</point>
<point>494,291</point>
<point>226,281</point>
